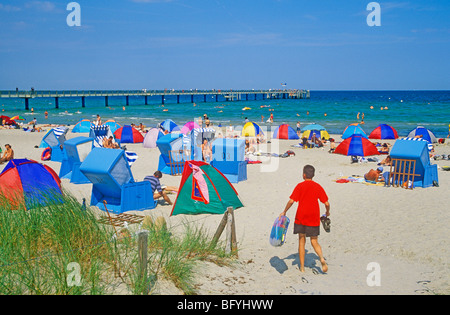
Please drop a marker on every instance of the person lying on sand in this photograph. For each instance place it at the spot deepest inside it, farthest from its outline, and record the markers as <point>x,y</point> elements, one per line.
<point>374,175</point>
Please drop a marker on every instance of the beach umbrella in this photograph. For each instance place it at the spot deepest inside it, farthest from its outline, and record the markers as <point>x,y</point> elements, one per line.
<point>188,127</point>
<point>128,134</point>
<point>423,133</point>
<point>168,125</point>
<point>113,126</point>
<point>251,129</point>
<point>286,132</point>
<point>313,126</point>
<point>356,145</point>
<point>17,117</point>
<point>383,131</point>
<point>319,134</point>
<point>29,183</point>
<point>353,129</point>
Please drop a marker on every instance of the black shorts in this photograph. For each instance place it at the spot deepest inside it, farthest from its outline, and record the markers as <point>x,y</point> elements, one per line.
<point>310,231</point>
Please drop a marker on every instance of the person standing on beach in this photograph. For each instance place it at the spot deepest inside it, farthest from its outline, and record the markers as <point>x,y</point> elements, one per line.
<point>98,122</point>
<point>307,218</point>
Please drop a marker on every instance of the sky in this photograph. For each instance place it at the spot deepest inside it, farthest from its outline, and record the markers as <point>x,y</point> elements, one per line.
<point>224,44</point>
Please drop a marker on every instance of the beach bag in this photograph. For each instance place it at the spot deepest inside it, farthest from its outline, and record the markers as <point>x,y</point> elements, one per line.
<point>279,229</point>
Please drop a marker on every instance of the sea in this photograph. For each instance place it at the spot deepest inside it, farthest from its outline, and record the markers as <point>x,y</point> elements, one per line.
<point>335,110</point>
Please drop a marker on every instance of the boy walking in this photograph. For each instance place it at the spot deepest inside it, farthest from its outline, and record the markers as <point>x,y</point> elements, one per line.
<point>307,219</point>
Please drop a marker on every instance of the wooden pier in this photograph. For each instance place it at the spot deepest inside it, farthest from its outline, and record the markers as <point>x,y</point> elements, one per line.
<point>228,95</point>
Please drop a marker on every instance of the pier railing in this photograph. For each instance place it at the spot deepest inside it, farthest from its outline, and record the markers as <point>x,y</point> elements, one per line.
<point>228,95</point>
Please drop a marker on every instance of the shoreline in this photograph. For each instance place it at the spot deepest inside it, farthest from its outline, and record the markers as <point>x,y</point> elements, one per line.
<point>403,231</point>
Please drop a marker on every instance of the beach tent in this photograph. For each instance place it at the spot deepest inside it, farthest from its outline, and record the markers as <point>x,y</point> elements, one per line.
<point>425,172</point>
<point>203,189</point>
<point>383,131</point>
<point>112,181</point>
<point>55,139</point>
<point>77,149</point>
<point>190,125</point>
<point>424,133</point>
<point>313,126</point>
<point>286,132</point>
<point>82,126</point>
<point>356,145</point>
<point>113,126</point>
<point>128,134</point>
<point>28,183</point>
<point>169,125</point>
<point>251,129</point>
<point>319,134</point>
<point>353,129</point>
<point>151,137</point>
<point>7,120</point>
<point>166,144</point>
<point>229,158</point>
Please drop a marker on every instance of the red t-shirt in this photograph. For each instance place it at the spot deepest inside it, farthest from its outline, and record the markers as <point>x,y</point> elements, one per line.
<point>307,194</point>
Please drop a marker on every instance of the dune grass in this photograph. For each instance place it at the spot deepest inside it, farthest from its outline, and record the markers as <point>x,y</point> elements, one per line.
<point>62,249</point>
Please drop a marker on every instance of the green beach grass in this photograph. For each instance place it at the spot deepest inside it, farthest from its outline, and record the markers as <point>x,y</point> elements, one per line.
<point>62,249</point>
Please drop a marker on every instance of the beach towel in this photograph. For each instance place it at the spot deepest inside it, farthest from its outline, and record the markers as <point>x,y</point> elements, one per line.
<point>131,157</point>
<point>357,179</point>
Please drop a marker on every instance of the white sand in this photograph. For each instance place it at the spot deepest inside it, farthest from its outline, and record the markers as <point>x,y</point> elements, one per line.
<point>405,232</point>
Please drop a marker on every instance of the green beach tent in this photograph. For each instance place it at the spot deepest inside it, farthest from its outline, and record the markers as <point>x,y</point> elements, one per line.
<point>204,189</point>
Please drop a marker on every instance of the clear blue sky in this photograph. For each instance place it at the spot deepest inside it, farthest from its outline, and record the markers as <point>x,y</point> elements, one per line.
<point>223,44</point>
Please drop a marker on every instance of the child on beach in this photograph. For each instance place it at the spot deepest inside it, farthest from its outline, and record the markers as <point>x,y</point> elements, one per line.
<point>307,218</point>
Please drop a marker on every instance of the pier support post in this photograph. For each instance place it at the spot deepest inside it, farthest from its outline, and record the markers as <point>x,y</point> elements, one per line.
<point>83,101</point>
<point>204,98</point>
<point>106,101</point>
<point>217,98</point>
<point>192,98</point>
<point>162,99</point>
<point>146,100</point>
<point>127,100</point>
<point>57,102</point>
<point>27,103</point>
<point>178,99</point>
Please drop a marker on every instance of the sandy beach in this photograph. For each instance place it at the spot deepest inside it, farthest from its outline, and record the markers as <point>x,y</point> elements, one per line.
<point>404,232</point>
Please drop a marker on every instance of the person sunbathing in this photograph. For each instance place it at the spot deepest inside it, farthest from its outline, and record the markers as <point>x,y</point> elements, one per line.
<point>387,161</point>
<point>7,155</point>
<point>374,175</point>
<point>109,143</point>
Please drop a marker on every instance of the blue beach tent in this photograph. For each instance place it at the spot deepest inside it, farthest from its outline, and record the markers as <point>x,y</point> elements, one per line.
<point>353,129</point>
<point>77,149</point>
<point>83,126</point>
<point>169,125</point>
<point>112,181</point>
<point>166,144</point>
<point>424,133</point>
<point>425,172</point>
<point>55,139</point>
